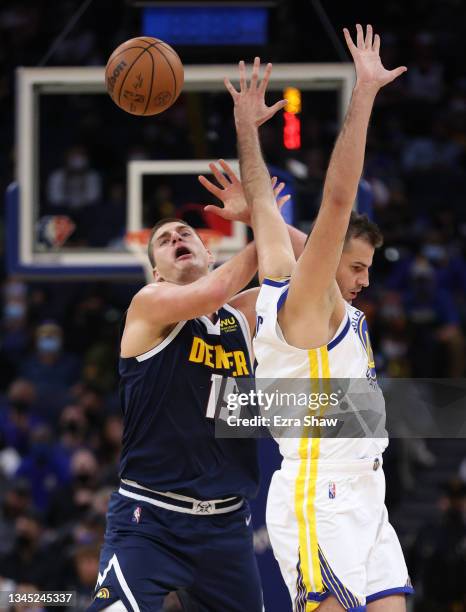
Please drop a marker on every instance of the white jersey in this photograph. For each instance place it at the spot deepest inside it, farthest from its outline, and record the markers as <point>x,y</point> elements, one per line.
<point>326,518</point>
<point>347,356</point>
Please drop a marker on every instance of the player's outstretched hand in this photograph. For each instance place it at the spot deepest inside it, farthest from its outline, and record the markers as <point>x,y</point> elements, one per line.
<point>370,72</point>
<point>231,194</point>
<point>250,107</point>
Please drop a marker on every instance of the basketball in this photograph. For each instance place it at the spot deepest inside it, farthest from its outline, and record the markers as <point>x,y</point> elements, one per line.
<point>144,76</point>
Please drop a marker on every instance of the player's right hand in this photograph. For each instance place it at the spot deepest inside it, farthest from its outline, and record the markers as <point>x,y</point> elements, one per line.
<point>231,194</point>
<point>370,72</point>
<point>250,107</point>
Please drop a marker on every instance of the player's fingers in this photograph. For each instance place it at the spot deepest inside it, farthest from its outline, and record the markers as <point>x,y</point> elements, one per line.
<point>349,40</point>
<point>231,89</point>
<point>368,40</point>
<point>242,76</point>
<point>214,190</point>
<point>228,171</point>
<point>216,210</point>
<point>221,178</point>
<point>376,45</point>
<point>255,73</point>
<point>397,72</point>
<point>276,107</point>
<point>359,36</point>
<point>265,80</point>
<point>278,189</point>
<point>273,181</point>
<point>283,200</point>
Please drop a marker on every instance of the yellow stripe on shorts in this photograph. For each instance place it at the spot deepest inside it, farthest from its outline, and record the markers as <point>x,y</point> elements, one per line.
<point>305,490</point>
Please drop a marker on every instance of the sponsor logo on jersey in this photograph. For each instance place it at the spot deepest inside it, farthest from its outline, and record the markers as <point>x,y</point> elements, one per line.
<point>214,356</point>
<point>136,514</point>
<point>259,322</point>
<point>228,325</point>
<point>102,594</point>
<point>359,324</point>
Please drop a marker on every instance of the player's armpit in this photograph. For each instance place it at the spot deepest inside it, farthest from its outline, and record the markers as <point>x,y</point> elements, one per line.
<point>245,302</point>
<point>308,323</point>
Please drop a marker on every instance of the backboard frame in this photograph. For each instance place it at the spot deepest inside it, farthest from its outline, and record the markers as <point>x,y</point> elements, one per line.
<point>22,205</point>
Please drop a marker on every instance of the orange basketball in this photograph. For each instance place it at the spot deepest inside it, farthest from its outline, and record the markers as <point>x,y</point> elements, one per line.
<point>144,76</point>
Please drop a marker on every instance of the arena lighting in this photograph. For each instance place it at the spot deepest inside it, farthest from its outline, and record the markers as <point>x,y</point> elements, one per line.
<point>292,126</point>
<point>293,95</point>
<point>291,131</point>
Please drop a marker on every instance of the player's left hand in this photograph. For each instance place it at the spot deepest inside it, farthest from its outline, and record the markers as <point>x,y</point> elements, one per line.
<point>231,194</point>
<point>250,107</point>
<point>370,72</point>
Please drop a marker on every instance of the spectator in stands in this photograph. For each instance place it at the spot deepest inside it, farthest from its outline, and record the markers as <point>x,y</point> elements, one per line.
<point>439,553</point>
<point>73,428</point>
<point>76,185</point>
<point>19,418</point>
<point>29,561</point>
<point>75,190</point>
<point>436,338</point>
<point>75,500</point>
<point>16,501</point>
<point>46,466</point>
<point>425,79</point>
<point>50,368</point>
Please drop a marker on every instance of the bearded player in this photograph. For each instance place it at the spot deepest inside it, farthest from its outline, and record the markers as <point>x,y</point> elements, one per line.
<point>325,514</point>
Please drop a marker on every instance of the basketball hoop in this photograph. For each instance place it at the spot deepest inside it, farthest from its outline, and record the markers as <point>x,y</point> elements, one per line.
<point>136,242</point>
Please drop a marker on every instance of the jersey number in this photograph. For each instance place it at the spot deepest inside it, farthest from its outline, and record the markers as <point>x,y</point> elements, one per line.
<point>220,388</point>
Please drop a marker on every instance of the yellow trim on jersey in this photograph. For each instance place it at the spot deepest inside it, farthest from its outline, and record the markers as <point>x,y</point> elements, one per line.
<point>279,279</point>
<point>305,490</point>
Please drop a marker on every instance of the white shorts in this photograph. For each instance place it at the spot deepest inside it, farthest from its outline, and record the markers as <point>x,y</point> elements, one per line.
<point>329,530</point>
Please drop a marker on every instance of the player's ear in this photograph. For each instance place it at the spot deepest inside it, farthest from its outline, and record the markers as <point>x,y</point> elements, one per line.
<point>156,274</point>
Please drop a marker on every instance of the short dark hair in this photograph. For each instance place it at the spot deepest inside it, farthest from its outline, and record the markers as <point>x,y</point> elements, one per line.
<point>150,251</point>
<point>360,226</point>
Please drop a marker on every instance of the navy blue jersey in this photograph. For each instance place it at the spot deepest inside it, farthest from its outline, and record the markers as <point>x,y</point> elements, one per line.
<point>169,443</point>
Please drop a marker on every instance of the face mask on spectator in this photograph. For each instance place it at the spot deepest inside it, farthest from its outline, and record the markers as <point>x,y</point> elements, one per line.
<point>70,427</point>
<point>24,540</point>
<point>20,405</point>
<point>77,162</point>
<point>83,479</point>
<point>12,311</point>
<point>49,344</point>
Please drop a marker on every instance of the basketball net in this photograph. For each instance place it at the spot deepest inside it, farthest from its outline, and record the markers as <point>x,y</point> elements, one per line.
<point>136,242</point>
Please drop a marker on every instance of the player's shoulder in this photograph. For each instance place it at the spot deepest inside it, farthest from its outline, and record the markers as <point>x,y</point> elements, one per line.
<point>149,293</point>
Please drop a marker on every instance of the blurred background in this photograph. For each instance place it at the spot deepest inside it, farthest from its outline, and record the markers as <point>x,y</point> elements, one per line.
<point>60,423</point>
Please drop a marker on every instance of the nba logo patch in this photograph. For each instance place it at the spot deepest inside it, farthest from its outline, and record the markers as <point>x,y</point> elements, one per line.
<point>136,514</point>
<point>332,490</point>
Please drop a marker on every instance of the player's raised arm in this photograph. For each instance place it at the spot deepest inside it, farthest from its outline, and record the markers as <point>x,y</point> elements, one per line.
<point>313,293</point>
<point>163,303</point>
<point>274,248</point>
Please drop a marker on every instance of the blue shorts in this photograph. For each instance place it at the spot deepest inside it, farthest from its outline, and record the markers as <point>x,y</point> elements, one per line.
<point>150,551</point>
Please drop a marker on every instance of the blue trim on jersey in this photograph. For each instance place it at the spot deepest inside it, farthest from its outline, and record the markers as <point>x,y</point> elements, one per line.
<point>318,596</point>
<point>281,299</point>
<point>397,590</point>
<point>340,336</point>
<point>272,283</point>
